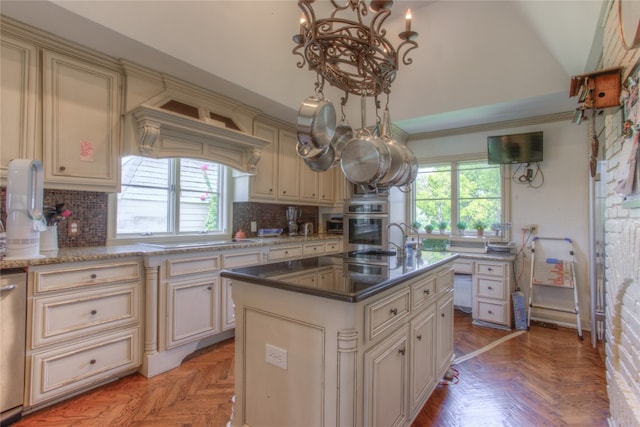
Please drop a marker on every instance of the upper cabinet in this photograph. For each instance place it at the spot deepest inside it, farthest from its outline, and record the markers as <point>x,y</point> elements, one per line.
<point>18,101</point>
<point>81,123</point>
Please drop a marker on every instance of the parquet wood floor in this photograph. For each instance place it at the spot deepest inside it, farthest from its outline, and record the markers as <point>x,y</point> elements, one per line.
<point>544,377</point>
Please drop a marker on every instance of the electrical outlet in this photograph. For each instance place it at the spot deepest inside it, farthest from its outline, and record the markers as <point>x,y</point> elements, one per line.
<point>254,226</point>
<point>276,356</point>
<point>73,228</point>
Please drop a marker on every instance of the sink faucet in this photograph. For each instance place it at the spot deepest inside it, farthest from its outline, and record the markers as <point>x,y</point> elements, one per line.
<point>410,227</point>
<point>404,238</point>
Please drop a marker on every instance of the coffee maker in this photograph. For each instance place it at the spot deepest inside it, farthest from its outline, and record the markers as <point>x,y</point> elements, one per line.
<point>293,215</point>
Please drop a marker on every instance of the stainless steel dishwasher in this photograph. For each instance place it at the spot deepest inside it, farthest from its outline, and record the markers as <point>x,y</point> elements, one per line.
<point>13,316</point>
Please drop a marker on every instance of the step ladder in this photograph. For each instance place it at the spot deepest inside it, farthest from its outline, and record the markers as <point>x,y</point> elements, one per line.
<point>553,264</point>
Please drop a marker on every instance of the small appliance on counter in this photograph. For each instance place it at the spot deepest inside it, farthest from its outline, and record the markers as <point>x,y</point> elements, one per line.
<point>293,216</point>
<point>25,199</point>
<point>467,244</point>
<point>335,225</point>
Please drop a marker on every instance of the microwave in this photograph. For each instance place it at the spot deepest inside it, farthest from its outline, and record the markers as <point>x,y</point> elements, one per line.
<point>335,225</point>
<point>365,224</point>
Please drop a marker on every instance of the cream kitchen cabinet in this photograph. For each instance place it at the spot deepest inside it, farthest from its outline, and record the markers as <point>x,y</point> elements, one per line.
<point>317,187</point>
<point>84,327</point>
<point>18,100</point>
<point>81,123</point>
<point>288,167</point>
<point>373,362</point>
<point>190,298</point>
<point>492,294</point>
<point>264,184</point>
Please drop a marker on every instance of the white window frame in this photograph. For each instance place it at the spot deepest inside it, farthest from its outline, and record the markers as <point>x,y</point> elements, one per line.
<point>226,202</point>
<point>505,199</point>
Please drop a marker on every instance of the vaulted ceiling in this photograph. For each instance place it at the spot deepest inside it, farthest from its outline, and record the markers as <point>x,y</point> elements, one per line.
<point>478,61</point>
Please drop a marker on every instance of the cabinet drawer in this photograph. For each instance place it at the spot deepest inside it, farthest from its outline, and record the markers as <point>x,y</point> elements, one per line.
<point>490,288</point>
<point>445,280</point>
<point>334,247</point>
<point>463,266</point>
<point>491,269</point>
<point>241,259</point>
<point>423,291</point>
<point>67,369</point>
<point>285,252</point>
<point>311,249</point>
<point>182,266</point>
<point>78,276</point>
<point>68,316</point>
<point>379,317</point>
<point>492,311</point>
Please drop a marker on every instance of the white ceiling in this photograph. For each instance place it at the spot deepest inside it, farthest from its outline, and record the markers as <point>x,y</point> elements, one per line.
<point>477,62</point>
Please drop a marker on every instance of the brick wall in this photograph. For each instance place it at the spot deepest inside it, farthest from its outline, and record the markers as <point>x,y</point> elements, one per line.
<point>622,274</point>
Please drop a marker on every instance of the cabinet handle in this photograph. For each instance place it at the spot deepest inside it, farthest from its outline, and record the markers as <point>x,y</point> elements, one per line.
<point>401,351</point>
<point>419,337</point>
<point>490,288</point>
<point>284,191</point>
<point>490,312</point>
<point>94,275</point>
<point>394,311</point>
<point>92,361</point>
<point>286,252</point>
<point>208,288</point>
<point>271,190</point>
<point>62,168</point>
<point>94,312</point>
<point>427,291</point>
<point>313,195</point>
<point>442,314</point>
<point>489,269</point>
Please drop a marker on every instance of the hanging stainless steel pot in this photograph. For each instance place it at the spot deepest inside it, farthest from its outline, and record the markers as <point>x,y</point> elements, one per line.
<point>365,159</point>
<point>323,162</point>
<point>410,170</point>
<point>316,125</point>
<point>397,153</point>
<point>341,137</point>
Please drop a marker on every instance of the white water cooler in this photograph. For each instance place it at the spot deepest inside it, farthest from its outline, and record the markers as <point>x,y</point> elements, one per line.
<point>25,194</point>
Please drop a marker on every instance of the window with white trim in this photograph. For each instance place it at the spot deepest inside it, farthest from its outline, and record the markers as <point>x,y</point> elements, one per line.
<point>170,197</point>
<point>459,195</point>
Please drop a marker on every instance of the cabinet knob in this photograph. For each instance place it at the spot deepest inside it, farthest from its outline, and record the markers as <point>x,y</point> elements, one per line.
<point>419,337</point>
<point>394,311</point>
<point>62,168</point>
<point>94,275</point>
<point>442,314</point>
<point>94,312</point>
<point>284,191</point>
<point>427,291</point>
<point>313,195</point>
<point>271,190</point>
<point>401,351</point>
<point>490,287</point>
<point>208,288</point>
<point>490,312</point>
<point>489,268</point>
<point>92,361</point>
<point>286,252</point>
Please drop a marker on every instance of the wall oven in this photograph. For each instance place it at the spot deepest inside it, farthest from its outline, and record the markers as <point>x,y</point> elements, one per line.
<point>365,224</point>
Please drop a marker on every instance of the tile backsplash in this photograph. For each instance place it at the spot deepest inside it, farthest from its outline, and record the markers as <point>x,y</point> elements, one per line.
<point>88,210</point>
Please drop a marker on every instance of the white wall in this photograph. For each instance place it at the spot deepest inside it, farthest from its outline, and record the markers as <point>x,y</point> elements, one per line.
<point>559,207</point>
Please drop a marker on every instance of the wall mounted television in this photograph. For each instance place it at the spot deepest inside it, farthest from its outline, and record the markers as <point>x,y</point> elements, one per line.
<point>517,148</point>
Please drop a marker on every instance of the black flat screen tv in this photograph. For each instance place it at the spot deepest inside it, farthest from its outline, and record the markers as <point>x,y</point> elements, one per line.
<point>517,148</point>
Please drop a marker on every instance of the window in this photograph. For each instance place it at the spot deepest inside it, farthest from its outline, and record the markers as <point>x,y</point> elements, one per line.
<point>447,194</point>
<point>170,197</point>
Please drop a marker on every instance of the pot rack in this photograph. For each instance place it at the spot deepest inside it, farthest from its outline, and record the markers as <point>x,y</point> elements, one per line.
<point>349,49</point>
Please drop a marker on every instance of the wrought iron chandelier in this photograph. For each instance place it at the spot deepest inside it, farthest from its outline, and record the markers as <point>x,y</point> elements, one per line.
<point>350,53</point>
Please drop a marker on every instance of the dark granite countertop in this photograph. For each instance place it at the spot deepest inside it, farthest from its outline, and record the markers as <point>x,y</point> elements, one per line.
<point>357,278</point>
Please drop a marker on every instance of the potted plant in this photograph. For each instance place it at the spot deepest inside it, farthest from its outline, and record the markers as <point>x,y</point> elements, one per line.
<point>429,228</point>
<point>442,225</point>
<point>479,225</point>
<point>416,225</point>
<point>461,226</point>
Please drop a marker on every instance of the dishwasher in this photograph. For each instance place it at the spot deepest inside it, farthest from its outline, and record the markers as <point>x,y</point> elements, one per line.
<point>13,316</point>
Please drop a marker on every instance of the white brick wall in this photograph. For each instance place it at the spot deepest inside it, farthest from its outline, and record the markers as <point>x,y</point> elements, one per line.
<point>622,274</point>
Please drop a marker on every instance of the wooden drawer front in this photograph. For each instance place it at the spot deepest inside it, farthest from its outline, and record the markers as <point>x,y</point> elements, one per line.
<point>491,269</point>
<point>463,266</point>
<point>75,277</point>
<point>68,316</point>
<point>180,267</point>
<point>490,311</point>
<point>379,317</point>
<point>423,291</point>
<point>490,288</point>
<point>241,259</point>
<point>334,247</point>
<point>311,249</point>
<point>285,252</point>
<point>445,280</point>
<point>65,369</point>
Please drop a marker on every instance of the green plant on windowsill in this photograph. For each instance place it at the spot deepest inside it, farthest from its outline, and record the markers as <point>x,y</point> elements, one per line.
<point>442,225</point>
<point>461,226</point>
<point>479,226</point>
<point>429,228</point>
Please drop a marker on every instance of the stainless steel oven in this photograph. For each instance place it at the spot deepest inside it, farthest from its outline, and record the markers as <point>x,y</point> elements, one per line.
<point>365,224</point>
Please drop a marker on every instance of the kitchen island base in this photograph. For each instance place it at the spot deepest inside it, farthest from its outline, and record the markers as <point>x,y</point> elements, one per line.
<point>309,360</point>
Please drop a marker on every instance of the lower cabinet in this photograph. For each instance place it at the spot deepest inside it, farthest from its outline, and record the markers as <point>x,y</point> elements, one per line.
<point>492,294</point>
<point>374,362</point>
<point>84,327</point>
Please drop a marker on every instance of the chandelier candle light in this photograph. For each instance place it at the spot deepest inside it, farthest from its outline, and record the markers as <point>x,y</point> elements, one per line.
<point>351,54</point>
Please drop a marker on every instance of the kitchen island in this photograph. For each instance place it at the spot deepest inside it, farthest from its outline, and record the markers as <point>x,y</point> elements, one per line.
<point>341,340</point>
